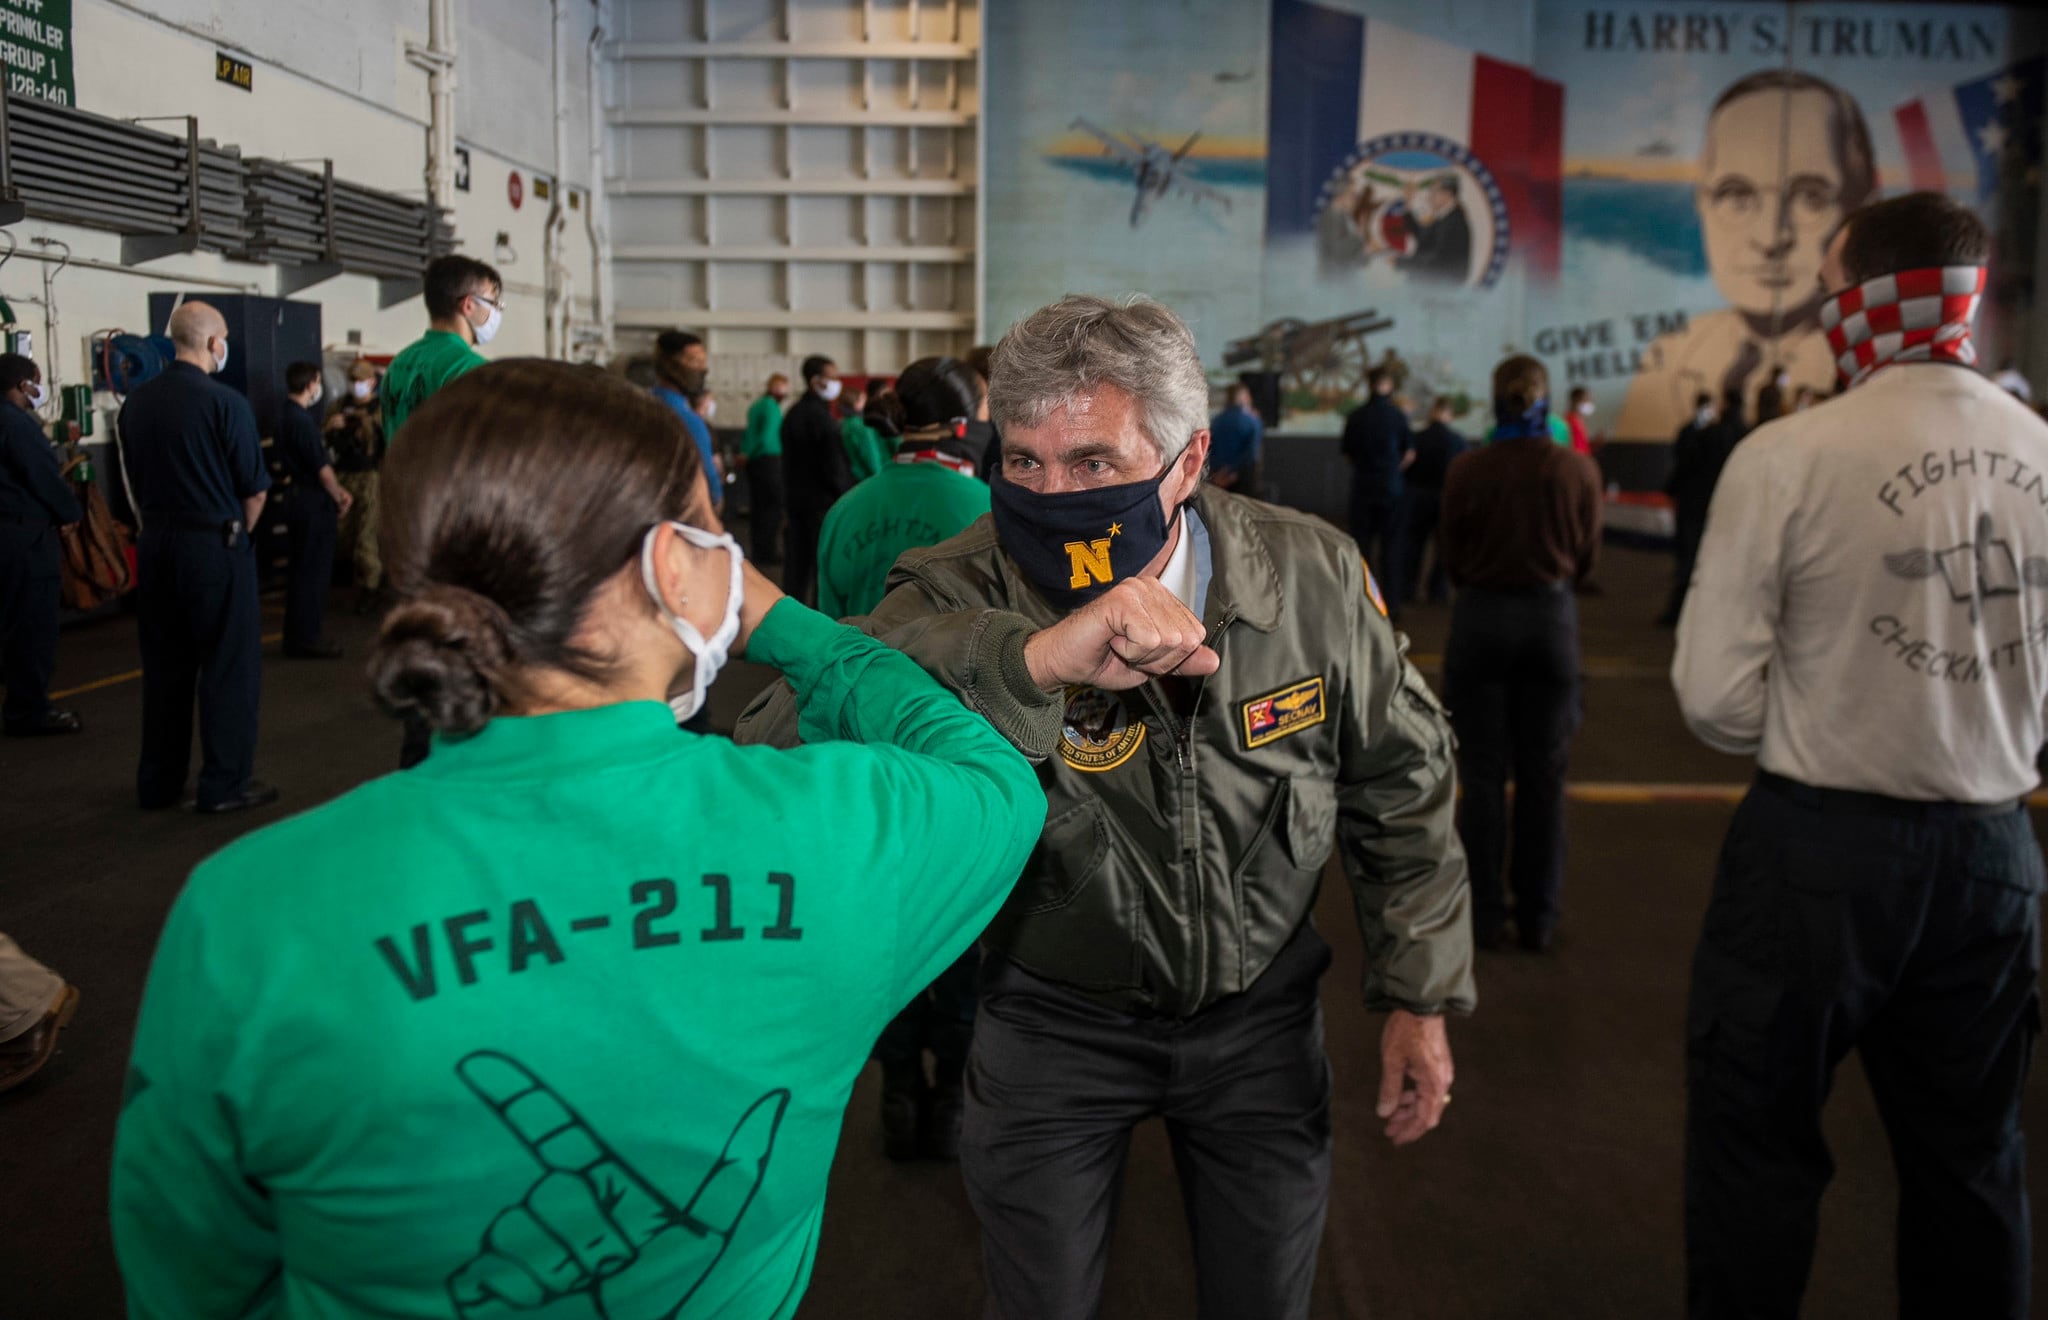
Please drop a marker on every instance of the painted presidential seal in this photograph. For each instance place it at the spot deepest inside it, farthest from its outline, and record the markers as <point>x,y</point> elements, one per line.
<point>1096,732</point>
<point>1419,202</point>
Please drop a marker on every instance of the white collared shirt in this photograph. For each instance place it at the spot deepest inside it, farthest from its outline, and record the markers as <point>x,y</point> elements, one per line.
<point>1870,609</point>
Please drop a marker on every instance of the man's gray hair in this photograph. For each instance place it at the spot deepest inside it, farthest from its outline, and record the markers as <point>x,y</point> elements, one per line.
<point>1083,342</point>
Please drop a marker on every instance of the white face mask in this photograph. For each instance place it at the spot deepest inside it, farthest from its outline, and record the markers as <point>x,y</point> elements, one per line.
<point>318,395</point>
<point>1586,408</point>
<point>829,390</point>
<point>361,388</point>
<point>488,331</point>
<point>710,655</point>
<point>220,359</point>
<point>37,395</point>
<point>708,410</point>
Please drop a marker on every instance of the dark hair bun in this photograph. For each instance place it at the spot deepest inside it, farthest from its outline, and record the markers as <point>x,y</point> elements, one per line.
<point>936,390</point>
<point>445,655</point>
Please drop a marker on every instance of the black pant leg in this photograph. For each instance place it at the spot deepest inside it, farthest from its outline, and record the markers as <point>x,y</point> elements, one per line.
<point>1394,555</point>
<point>312,536</point>
<point>31,597</point>
<point>940,1019</point>
<point>1947,1059</point>
<point>949,1026</point>
<point>764,480</point>
<point>1432,541</point>
<point>1417,522</point>
<point>1544,706</point>
<point>900,1047</point>
<point>1543,717</point>
<point>170,670</point>
<point>800,568</point>
<point>1477,694</point>
<point>1055,1083</point>
<point>1369,521</point>
<point>1249,1119</point>
<point>226,623</point>
<point>1786,972</point>
<point>1686,553</point>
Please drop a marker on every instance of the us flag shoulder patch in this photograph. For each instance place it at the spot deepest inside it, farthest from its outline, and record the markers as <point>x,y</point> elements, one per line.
<point>1372,589</point>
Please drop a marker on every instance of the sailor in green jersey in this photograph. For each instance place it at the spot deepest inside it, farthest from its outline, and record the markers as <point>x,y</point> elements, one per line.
<point>764,421</point>
<point>761,457</point>
<point>464,308</point>
<point>926,494</point>
<point>870,431</point>
<point>571,1013</point>
<point>463,303</point>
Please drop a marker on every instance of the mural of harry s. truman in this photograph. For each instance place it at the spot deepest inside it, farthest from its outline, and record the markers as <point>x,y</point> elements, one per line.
<point>1787,155</point>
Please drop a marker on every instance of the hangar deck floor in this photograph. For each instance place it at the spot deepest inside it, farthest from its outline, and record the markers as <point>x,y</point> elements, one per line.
<point>1552,1190</point>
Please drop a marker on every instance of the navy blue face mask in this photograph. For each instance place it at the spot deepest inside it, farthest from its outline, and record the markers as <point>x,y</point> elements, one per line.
<point>1077,544</point>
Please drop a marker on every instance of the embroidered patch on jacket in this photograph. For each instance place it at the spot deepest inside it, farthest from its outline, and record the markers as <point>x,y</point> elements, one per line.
<point>1290,710</point>
<point>1096,732</point>
<point>1372,589</point>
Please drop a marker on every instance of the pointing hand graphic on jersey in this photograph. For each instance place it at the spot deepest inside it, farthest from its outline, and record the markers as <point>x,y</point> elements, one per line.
<point>592,1223</point>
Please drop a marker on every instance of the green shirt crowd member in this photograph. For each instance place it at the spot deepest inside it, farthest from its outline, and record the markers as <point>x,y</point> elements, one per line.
<point>867,449</point>
<point>925,493</point>
<point>917,500</point>
<point>465,309</point>
<point>764,425</point>
<point>571,1013</point>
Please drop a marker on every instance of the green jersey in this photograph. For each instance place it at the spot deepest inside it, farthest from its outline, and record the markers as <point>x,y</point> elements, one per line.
<point>764,428</point>
<point>867,452</point>
<point>573,1008</point>
<point>422,367</point>
<point>903,507</point>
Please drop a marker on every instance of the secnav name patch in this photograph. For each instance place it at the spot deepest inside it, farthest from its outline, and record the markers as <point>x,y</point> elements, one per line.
<point>1290,710</point>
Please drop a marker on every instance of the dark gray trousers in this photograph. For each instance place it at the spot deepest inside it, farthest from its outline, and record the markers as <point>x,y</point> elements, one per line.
<point>1056,1082</point>
<point>1906,932</point>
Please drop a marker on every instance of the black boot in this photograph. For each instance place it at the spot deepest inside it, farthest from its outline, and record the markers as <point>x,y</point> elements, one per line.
<point>903,1107</point>
<point>938,1137</point>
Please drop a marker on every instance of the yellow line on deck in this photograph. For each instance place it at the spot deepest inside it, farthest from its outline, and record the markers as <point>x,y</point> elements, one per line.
<point>128,677</point>
<point>1645,794</point>
<point>1599,666</point>
<point>1635,795</point>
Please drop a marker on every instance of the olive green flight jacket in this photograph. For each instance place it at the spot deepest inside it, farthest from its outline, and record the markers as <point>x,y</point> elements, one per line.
<point>1189,821</point>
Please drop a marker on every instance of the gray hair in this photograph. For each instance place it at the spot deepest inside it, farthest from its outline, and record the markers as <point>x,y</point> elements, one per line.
<point>1083,342</point>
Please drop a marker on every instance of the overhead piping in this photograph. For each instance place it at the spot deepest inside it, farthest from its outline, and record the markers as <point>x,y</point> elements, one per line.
<point>596,213</point>
<point>556,276</point>
<point>50,274</point>
<point>437,57</point>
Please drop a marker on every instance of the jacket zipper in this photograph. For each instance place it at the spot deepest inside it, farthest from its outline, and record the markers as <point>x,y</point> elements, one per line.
<point>1189,805</point>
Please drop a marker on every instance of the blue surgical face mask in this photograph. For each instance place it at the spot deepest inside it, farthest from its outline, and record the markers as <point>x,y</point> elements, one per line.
<point>1077,544</point>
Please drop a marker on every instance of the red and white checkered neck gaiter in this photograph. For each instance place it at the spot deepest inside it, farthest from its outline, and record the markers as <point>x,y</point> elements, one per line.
<point>1913,316</point>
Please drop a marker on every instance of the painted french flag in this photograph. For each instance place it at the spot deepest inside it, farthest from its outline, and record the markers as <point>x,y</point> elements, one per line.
<point>1339,78</point>
<point>1966,138</point>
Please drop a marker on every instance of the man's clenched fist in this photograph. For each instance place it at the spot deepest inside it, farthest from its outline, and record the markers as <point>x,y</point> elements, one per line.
<point>1134,631</point>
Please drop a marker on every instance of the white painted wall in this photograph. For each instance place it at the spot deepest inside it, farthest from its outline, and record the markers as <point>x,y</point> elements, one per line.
<point>330,81</point>
<point>846,230</point>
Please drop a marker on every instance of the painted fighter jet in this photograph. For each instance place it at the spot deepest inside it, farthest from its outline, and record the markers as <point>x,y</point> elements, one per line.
<point>1155,170</point>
